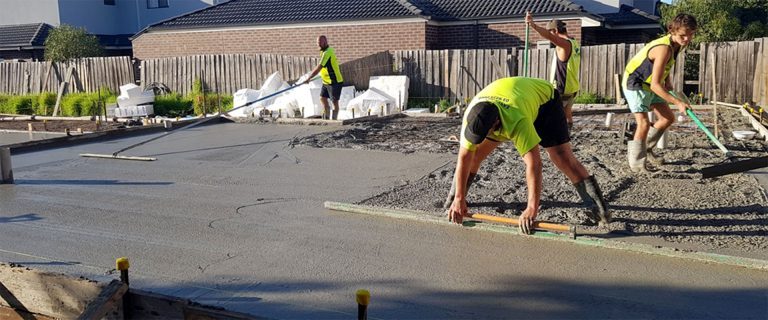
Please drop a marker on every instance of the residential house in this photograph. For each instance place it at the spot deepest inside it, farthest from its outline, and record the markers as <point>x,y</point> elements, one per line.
<point>357,28</point>
<point>24,23</point>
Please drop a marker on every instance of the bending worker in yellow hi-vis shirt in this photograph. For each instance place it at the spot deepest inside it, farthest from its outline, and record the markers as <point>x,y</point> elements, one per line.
<point>529,113</point>
<point>566,62</point>
<point>332,79</point>
<point>646,86</point>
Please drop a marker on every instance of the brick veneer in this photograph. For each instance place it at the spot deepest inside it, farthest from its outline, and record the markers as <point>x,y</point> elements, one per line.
<point>351,42</point>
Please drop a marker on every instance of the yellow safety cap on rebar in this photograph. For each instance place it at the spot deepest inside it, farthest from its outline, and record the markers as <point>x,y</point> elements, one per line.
<point>363,297</point>
<point>122,263</point>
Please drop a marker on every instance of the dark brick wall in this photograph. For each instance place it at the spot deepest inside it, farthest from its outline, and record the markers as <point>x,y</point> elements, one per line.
<point>494,36</point>
<point>595,36</point>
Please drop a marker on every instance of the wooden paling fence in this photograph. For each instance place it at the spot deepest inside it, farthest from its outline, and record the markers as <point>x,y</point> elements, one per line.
<point>455,74</point>
<point>460,74</point>
<point>229,73</point>
<point>737,65</point>
<point>760,85</point>
<point>222,73</point>
<point>89,74</point>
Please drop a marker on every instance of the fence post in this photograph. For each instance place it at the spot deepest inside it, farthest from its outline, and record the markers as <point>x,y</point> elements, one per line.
<point>6,170</point>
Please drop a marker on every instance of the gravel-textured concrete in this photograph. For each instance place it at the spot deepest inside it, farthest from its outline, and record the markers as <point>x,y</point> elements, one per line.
<point>672,207</point>
<point>232,215</point>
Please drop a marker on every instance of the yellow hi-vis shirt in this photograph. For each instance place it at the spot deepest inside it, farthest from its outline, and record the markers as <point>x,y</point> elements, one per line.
<point>637,74</point>
<point>330,73</point>
<point>518,100</point>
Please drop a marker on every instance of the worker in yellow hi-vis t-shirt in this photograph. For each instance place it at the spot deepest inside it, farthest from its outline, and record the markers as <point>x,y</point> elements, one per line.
<point>332,79</point>
<point>529,113</point>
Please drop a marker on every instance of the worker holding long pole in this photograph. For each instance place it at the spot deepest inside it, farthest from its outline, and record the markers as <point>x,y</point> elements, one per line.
<point>566,61</point>
<point>646,86</point>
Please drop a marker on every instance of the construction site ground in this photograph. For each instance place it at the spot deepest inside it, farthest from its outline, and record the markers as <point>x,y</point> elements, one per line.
<point>232,215</point>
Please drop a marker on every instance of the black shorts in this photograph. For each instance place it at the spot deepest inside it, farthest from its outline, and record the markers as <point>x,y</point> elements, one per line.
<point>551,125</point>
<point>331,91</point>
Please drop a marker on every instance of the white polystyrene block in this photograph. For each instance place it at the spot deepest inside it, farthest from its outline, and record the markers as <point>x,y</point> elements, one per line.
<point>308,100</point>
<point>372,102</point>
<point>417,110</point>
<point>346,114</point>
<point>396,87</point>
<point>347,94</point>
<point>242,97</point>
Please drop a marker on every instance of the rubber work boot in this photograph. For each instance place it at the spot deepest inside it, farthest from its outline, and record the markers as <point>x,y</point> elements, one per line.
<point>654,135</point>
<point>592,197</point>
<point>636,155</point>
<point>594,192</point>
<point>452,192</point>
<point>335,115</point>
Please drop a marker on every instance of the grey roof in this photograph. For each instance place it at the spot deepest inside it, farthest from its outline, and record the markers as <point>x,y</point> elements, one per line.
<point>24,35</point>
<point>261,12</point>
<point>629,15</point>
<point>448,10</point>
<point>266,12</point>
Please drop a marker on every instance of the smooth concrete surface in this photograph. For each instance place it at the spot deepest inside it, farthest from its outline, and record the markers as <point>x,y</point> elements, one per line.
<point>232,215</point>
<point>11,137</point>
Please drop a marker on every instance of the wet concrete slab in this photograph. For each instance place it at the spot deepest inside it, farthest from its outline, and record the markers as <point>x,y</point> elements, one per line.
<point>232,215</point>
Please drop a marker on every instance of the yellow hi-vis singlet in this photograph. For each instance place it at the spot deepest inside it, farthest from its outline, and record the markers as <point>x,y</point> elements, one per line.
<point>637,74</point>
<point>565,74</point>
<point>330,73</point>
<point>518,100</point>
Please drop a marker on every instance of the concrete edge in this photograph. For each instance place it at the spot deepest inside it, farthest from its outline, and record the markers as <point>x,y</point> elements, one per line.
<point>66,141</point>
<point>582,240</point>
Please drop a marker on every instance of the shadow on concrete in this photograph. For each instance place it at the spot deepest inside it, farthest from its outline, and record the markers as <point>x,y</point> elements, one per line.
<point>221,147</point>
<point>90,182</point>
<point>513,297</point>
<point>21,218</point>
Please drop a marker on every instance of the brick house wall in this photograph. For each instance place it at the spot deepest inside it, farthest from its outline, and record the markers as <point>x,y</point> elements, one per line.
<point>351,42</point>
<point>494,36</point>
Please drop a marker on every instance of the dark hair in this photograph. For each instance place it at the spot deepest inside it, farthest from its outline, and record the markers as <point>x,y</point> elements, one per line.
<point>682,21</point>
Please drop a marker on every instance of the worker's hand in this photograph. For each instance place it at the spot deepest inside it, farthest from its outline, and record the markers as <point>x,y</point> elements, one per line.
<point>528,18</point>
<point>526,220</point>
<point>682,106</point>
<point>457,211</point>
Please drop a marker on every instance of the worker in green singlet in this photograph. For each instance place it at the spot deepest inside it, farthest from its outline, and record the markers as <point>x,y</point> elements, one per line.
<point>565,63</point>
<point>646,86</point>
<point>332,80</point>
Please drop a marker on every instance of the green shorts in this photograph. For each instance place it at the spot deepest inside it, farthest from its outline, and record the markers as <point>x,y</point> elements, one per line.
<point>641,100</point>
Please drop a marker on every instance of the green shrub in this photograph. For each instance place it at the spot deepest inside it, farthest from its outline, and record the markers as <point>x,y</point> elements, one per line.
<point>18,105</point>
<point>172,105</point>
<point>589,97</point>
<point>72,104</point>
<point>46,101</point>
<point>90,105</point>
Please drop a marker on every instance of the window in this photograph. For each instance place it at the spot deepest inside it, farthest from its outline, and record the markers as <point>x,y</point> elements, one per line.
<point>154,4</point>
<point>109,2</point>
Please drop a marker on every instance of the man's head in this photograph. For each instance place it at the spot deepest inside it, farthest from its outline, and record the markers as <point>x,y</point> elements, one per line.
<point>682,28</point>
<point>557,27</point>
<point>481,120</point>
<point>322,42</point>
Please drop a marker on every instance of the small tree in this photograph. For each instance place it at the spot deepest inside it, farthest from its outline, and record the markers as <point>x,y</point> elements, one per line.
<point>722,20</point>
<point>66,43</point>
